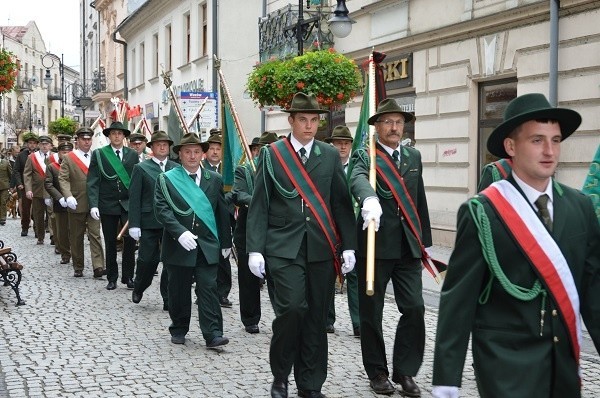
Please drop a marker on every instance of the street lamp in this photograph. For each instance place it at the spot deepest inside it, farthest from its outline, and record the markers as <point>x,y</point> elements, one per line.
<point>80,98</point>
<point>20,99</point>
<point>39,120</point>
<point>48,78</point>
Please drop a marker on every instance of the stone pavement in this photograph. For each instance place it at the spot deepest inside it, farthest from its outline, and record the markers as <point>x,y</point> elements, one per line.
<point>73,338</point>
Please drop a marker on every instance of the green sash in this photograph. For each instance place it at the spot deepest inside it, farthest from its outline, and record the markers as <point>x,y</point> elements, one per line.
<point>193,195</point>
<point>116,164</point>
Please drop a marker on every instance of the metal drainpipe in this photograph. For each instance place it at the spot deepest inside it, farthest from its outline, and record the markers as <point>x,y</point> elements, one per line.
<point>263,114</point>
<point>124,43</point>
<point>553,75</point>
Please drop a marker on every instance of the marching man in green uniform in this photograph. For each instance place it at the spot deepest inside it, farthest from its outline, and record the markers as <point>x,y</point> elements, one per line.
<point>143,225</point>
<point>108,182</point>
<point>190,204</point>
<point>525,269</point>
<point>249,284</point>
<point>399,208</point>
<point>300,222</point>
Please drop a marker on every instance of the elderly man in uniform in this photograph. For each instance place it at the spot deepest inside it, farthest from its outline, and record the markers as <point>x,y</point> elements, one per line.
<point>31,141</point>
<point>300,222</point>
<point>190,204</point>
<point>34,176</point>
<point>59,204</point>
<point>342,140</point>
<point>72,179</point>
<point>524,271</point>
<point>137,142</point>
<point>143,225</point>
<point>399,209</point>
<point>248,283</point>
<point>108,182</point>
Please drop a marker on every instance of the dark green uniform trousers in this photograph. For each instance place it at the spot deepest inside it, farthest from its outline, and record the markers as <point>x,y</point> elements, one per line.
<point>249,290</point>
<point>180,300</point>
<point>147,263</point>
<point>352,292</point>
<point>409,343</point>
<point>302,292</point>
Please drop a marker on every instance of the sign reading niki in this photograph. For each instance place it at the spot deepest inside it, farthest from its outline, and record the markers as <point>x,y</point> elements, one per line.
<point>397,71</point>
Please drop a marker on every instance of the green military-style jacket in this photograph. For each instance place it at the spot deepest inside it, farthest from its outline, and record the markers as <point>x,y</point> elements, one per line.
<point>177,217</point>
<point>511,358</point>
<point>241,193</point>
<point>392,225</point>
<point>141,193</point>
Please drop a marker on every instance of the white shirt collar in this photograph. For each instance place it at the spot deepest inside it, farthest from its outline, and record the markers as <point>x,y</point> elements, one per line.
<point>533,194</point>
<point>297,145</point>
<point>391,150</point>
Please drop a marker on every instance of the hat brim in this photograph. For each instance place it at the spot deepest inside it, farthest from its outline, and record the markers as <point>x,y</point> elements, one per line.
<point>568,119</point>
<point>177,148</point>
<point>107,131</point>
<point>331,139</point>
<point>296,110</point>
<point>150,143</point>
<point>408,117</point>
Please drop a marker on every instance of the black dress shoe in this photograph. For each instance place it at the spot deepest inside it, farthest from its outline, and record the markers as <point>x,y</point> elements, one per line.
<point>310,394</point>
<point>330,329</point>
<point>111,286</point>
<point>99,272</point>
<point>224,302</point>
<point>136,297</point>
<point>65,260</point>
<point>356,331</point>
<point>409,387</point>
<point>23,232</point>
<point>381,385</point>
<point>178,339</point>
<point>78,274</point>
<point>165,307</point>
<point>252,329</point>
<point>279,389</point>
<point>130,284</point>
<point>217,342</point>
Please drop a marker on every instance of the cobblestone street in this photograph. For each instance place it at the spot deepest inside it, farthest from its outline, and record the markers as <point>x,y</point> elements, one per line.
<point>73,338</point>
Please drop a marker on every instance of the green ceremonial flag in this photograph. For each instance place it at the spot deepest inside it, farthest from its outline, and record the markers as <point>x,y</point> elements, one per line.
<point>362,129</point>
<point>591,186</point>
<point>232,146</point>
<point>174,129</point>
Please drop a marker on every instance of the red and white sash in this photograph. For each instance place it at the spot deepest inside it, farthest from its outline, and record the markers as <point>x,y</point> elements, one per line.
<point>78,162</point>
<point>40,167</point>
<point>542,251</point>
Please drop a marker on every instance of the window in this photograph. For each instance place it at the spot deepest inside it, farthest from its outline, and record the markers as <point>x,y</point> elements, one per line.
<point>493,99</point>
<point>142,63</point>
<point>187,38</point>
<point>204,31</point>
<point>168,63</point>
<point>133,67</point>
<point>155,55</point>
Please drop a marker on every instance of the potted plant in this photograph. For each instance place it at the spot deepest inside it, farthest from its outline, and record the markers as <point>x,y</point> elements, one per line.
<point>62,125</point>
<point>328,75</point>
<point>9,68</point>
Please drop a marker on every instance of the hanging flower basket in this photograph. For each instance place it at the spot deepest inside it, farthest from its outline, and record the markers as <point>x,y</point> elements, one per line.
<point>328,75</point>
<point>9,68</point>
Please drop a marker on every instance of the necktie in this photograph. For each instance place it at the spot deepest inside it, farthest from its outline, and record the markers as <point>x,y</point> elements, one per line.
<point>193,177</point>
<point>118,154</point>
<point>85,154</point>
<point>162,168</point>
<point>396,157</point>
<point>303,156</point>
<point>542,205</point>
<point>46,158</point>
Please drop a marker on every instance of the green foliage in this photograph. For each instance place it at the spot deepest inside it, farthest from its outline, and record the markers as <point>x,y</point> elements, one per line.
<point>62,125</point>
<point>328,75</point>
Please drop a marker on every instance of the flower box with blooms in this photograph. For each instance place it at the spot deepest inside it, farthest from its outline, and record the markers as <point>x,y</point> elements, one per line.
<point>328,75</point>
<point>9,68</point>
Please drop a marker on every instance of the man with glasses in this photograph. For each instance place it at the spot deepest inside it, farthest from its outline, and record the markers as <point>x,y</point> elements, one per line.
<point>399,209</point>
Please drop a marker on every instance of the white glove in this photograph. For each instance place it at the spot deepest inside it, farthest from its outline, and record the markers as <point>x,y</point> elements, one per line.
<point>349,261</point>
<point>371,210</point>
<point>188,241</point>
<point>225,252</point>
<point>62,202</point>
<point>135,233</point>
<point>95,213</point>
<point>48,202</point>
<point>72,202</point>
<point>444,392</point>
<point>29,195</point>
<point>256,263</point>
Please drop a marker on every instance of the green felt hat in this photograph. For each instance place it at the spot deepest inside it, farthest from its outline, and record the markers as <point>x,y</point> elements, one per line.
<point>389,105</point>
<point>305,104</point>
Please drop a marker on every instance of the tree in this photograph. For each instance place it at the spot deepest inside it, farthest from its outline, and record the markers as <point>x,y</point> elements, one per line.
<point>62,125</point>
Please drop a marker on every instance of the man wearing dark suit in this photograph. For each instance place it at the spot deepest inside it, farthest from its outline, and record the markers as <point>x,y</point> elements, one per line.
<point>213,161</point>
<point>248,283</point>
<point>108,182</point>
<point>190,205</point>
<point>299,231</point>
<point>5,176</point>
<point>31,141</point>
<point>398,250</point>
<point>33,178</point>
<point>143,225</point>
<point>59,204</point>
<point>73,185</point>
<point>525,269</point>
